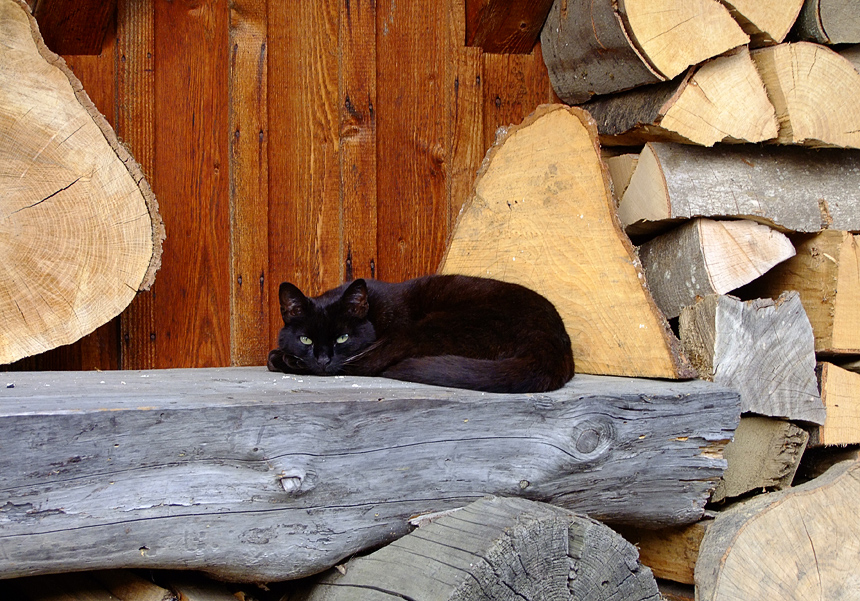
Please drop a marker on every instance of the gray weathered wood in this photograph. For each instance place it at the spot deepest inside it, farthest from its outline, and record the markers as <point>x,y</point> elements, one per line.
<point>252,475</point>
<point>762,348</point>
<point>705,256</point>
<point>764,454</point>
<point>790,188</point>
<point>829,21</point>
<point>496,549</point>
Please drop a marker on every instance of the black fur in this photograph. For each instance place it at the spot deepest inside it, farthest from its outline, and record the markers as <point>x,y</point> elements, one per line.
<point>447,330</point>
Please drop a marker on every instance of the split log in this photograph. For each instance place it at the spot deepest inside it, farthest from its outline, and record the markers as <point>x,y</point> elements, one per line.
<point>791,189</point>
<point>840,391</point>
<point>814,91</point>
<point>500,549</point>
<point>670,553</point>
<point>80,229</point>
<point>704,257</point>
<point>301,471</point>
<point>764,454</point>
<point>761,348</point>
<point>800,543</point>
<point>722,100</point>
<point>830,21</point>
<point>765,21</point>
<point>675,34</point>
<point>826,273</point>
<point>595,48</point>
<point>621,168</point>
<point>587,51</point>
<point>543,199</point>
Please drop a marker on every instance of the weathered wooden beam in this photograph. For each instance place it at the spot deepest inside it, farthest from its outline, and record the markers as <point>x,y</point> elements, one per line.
<point>252,475</point>
<point>505,27</point>
<point>75,26</point>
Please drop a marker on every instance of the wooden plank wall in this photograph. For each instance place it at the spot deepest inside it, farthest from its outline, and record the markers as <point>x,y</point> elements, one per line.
<point>313,142</point>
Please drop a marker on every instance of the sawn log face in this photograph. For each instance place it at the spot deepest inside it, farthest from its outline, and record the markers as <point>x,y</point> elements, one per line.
<point>258,476</point>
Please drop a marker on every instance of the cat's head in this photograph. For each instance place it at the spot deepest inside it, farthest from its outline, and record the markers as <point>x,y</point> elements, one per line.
<point>321,334</point>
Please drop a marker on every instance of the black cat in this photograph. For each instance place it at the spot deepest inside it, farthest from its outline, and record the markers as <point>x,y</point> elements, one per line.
<point>448,330</point>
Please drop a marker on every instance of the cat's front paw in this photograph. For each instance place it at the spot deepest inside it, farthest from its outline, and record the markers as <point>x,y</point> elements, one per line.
<point>276,361</point>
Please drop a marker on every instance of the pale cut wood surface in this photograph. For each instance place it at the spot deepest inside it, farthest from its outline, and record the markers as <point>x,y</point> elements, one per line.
<point>500,549</point>
<point>255,476</point>
<point>814,91</point>
<point>126,585</point>
<point>840,392</point>
<point>764,454</point>
<point>722,100</point>
<point>766,21</point>
<point>761,348</point>
<point>705,256</point>
<point>620,169</point>
<point>798,544</point>
<point>670,552</point>
<point>792,189</point>
<point>541,215</point>
<point>587,51</point>
<point>674,34</point>
<point>826,273</point>
<point>80,231</point>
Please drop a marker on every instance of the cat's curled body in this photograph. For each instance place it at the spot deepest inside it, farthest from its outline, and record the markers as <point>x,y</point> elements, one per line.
<point>447,330</point>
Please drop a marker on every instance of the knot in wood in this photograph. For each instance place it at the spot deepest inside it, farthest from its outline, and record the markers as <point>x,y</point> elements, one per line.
<point>592,438</point>
<point>291,481</point>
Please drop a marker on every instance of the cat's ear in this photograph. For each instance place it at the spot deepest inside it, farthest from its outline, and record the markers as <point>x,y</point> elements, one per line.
<point>293,302</point>
<point>355,299</point>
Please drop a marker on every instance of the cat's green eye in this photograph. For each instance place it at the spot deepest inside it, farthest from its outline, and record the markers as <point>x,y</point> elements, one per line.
<point>305,340</point>
<point>342,339</point>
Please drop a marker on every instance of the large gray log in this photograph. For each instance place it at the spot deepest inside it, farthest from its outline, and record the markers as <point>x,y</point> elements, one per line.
<point>495,549</point>
<point>251,475</point>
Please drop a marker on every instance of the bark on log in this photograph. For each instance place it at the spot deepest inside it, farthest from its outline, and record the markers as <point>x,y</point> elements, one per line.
<point>764,454</point>
<point>840,392</point>
<point>765,21</point>
<point>80,228</point>
<point>826,273</point>
<point>791,189</point>
<point>800,543</point>
<point>761,348</point>
<point>599,48</point>
<point>255,476</point>
<point>829,21</point>
<point>542,215</point>
<point>721,100</point>
<point>499,549</point>
<point>704,257</point>
<point>814,91</point>
<point>587,51</point>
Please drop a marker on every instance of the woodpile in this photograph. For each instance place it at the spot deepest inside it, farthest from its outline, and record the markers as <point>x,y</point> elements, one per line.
<point>722,250</point>
<point>80,228</point>
<point>737,176</point>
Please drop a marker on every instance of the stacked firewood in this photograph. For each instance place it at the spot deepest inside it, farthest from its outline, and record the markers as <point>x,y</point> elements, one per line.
<point>735,171</point>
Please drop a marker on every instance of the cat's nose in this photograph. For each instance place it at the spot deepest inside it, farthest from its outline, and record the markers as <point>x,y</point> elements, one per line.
<point>323,360</point>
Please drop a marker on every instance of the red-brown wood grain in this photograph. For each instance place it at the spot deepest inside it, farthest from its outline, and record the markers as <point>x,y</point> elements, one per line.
<point>358,145</point>
<point>505,26</point>
<point>412,150</point>
<point>191,305</point>
<point>135,125</point>
<point>249,183</point>
<point>75,26</point>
